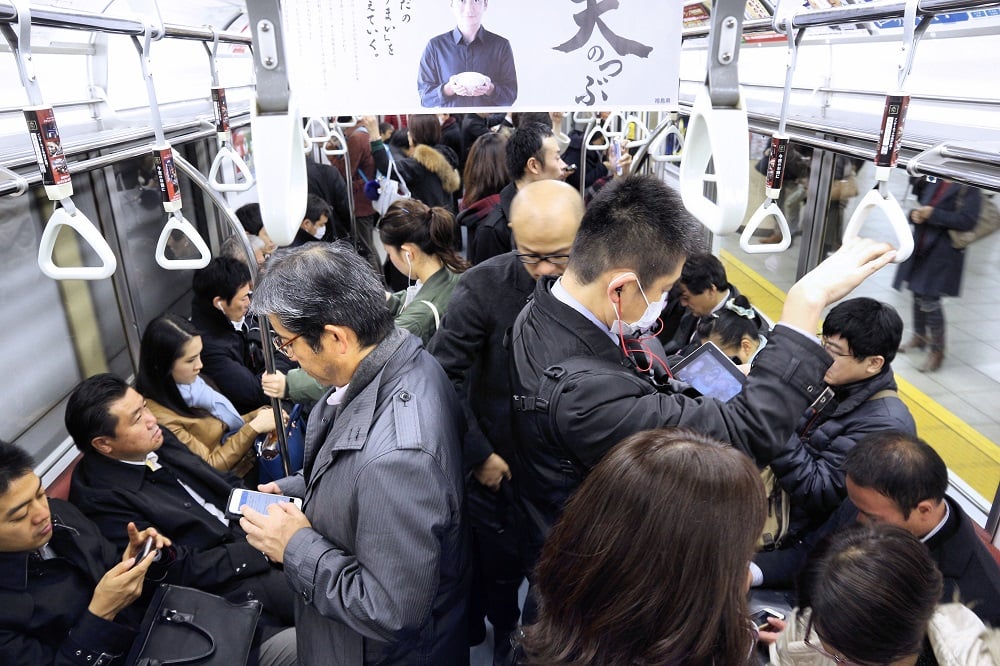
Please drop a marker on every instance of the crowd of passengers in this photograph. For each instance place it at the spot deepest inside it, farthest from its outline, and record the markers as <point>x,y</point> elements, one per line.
<point>505,413</point>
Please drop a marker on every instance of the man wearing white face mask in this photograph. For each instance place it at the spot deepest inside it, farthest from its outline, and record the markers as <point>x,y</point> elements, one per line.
<point>313,227</point>
<point>578,390</point>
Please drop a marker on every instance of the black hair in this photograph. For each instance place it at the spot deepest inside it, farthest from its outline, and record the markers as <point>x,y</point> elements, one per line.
<point>223,277</point>
<point>703,271</point>
<point>902,467</point>
<point>317,207</point>
<point>162,344</point>
<point>729,325</point>
<point>873,592</point>
<point>425,129</point>
<point>540,117</point>
<point>433,230</point>
<point>400,138</point>
<point>14,463</point>
<point>385,126</point>
<point>634,222</point>
<point>524,143</point>
<point>88,410</point>
<point>870,327</point>
<point>249,216</point>
<point>318,284</point>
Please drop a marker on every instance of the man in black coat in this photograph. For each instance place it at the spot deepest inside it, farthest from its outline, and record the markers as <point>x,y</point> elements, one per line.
<point>532,155</point>
<point>132,470</point>
<point>231,351</point>
<point>328,184</point>
<point>897,478</point>
<point>66,593</point>
<point>469,345</point>
<point>581,389</point>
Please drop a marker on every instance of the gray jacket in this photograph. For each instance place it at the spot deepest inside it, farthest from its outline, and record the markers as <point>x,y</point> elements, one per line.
<point>380,577</point>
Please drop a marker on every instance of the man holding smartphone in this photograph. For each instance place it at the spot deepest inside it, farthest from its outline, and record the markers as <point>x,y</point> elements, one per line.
<point>377,557</point>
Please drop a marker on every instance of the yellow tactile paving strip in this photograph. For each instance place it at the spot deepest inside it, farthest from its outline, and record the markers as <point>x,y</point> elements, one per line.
<point>968,453</point>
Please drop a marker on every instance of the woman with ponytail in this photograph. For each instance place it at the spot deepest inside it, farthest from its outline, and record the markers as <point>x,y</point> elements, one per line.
<point>420,242</point>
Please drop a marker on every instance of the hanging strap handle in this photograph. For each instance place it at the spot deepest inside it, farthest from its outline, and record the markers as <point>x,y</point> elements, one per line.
<point>177,222</point>
<point>61,217</point>
<point>718,130</point>
<point>777,159</point>
<point>897,221</point>
<point>324,135</point>
<point>277,128</point>
<point>226,154</point>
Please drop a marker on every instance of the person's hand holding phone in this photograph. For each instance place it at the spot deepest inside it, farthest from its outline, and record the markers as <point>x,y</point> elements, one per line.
<point>143,543</point>
<point>769,636</point>
<point>270,533</point>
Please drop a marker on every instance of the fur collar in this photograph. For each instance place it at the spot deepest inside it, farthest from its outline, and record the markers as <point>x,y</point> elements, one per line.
<point>436,163</point>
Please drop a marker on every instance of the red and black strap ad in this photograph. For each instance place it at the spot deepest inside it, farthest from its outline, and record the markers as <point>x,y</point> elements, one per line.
<point>893,118</point>
<point>166,173</point>
<point>220,109</point>
<point>776,163</point>
<point>47,145</point>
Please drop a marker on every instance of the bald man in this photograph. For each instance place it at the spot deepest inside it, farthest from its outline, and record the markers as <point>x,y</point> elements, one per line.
<point>544,218</point>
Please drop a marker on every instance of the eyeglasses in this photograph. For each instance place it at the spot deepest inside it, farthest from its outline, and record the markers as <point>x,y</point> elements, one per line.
<point>828,346</point>
<point>281,346</point>
<point>819,648</point>
<point>554,259</point>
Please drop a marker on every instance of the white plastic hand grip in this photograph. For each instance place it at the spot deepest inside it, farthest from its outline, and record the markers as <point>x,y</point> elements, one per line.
<point>86,229</point>
<point>214,176</point>
<point>674,131</point>
<point>720,136</point>
<point>281,173</point>
<point>897,220</point>
<point>177,222</point>
<point>767,209</point>
<point>323,128</point>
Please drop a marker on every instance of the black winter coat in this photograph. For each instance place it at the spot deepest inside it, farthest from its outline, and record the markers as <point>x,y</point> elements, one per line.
<point>493,235</point>
<point>469,346</point>
<point>230,358</point>
<point>589,411</point>
<point>935,267</point>
<point>810,467</point>
<point>431,174</point>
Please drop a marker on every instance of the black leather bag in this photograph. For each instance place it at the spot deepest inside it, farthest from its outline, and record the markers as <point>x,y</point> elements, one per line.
<point>186,626</point>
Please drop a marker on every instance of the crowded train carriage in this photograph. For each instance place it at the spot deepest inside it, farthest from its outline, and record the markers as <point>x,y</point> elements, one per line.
<point>416,333</point>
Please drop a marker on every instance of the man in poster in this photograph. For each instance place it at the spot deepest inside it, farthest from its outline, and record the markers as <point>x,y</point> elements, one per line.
<point>468,65</point>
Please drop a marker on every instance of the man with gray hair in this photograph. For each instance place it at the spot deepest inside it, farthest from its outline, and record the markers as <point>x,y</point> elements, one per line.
<point>377,555</point>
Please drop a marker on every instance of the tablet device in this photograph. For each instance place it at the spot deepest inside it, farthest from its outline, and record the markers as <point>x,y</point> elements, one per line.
<point>710,372</point>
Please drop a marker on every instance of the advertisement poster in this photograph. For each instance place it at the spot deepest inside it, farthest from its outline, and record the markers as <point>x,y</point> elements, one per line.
<point>350,57</point>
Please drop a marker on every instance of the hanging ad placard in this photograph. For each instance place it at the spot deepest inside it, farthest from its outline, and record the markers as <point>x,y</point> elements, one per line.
<point>411,56</point>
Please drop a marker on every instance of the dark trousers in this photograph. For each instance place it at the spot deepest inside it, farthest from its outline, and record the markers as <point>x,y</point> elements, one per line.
<point>928,320</point>
<point>497,571</point>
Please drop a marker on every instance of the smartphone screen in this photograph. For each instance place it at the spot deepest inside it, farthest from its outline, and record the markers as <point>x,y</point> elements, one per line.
<point>255,500</point>
<point>759,618</point>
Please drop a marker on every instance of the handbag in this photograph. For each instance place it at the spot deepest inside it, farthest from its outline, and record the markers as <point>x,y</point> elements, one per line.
<point>987,222</point>
<point>389,190</point>
<point>269,461</point>
<point>187,626</point>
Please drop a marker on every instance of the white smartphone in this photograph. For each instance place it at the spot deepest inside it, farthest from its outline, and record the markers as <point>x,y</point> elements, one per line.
<point>760,617</point>
<point>255,500</point>
<point>147,548</point>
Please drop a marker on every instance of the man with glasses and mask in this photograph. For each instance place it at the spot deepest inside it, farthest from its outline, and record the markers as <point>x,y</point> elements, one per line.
<point>545,216</point>
<point>578,390</point>
<point>377,556</point>
<point>467,66</point>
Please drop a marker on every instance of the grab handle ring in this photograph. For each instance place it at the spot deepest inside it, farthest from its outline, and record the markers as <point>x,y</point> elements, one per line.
<point>86,229</point>
<point>177,222</point>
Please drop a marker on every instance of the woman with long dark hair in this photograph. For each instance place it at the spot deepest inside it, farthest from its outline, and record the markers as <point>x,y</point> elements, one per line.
<point>484,176</point>
<point>648,564</point>
<point>420,242</point>
<point>202,418</point>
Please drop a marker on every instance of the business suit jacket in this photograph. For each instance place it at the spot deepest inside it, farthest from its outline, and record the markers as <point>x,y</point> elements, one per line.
<point>112,493</point>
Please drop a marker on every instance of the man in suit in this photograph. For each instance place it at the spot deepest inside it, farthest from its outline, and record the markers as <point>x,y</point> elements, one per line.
<point>132,470</point>
<point>896,478</point>
<point>703,289</point>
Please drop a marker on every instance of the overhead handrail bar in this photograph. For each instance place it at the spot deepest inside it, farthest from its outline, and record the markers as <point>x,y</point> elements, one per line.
<point>849,14</point>
<point>776,163</point>
<point>277,128</point>
<point>226,154</point>
<point>887,149</point>
<point>52,165</point>
<point>19,181</point>
<point>76,19</point>
<point>83,166</point>
<point>163,158</point>
<point>717,132</point>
